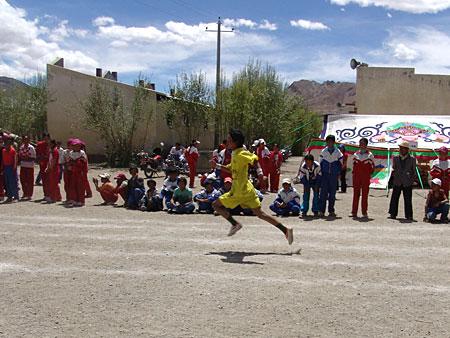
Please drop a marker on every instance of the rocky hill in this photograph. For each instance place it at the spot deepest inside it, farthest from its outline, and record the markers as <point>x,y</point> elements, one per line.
<point>7,84</point>
<point>324,97</point>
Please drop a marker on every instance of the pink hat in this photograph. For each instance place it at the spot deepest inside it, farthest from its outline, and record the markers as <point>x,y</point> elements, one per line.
<point>443,149</point>
<point>120,176</point>
<point>228,180</point>
<point>76,142</point>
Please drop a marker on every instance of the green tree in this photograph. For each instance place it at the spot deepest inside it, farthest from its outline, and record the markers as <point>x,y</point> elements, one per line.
<point>191,105</point>
<point>115,121</point>
<point>24,107</point>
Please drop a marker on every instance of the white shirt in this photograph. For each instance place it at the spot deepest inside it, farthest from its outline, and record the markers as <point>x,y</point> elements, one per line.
<point>61,155</point>
<point>176,152</point>
<point>29,152</point>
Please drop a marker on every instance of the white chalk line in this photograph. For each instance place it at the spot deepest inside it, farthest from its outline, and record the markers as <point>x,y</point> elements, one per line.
<point>421,288</point>
<point>354,263</point>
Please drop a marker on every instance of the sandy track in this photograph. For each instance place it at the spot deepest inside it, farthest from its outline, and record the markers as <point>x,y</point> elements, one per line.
<point>103,271</point>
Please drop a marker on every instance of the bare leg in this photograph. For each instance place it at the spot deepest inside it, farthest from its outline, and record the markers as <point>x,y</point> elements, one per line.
<point>288,232</point>
<point>221,210</point>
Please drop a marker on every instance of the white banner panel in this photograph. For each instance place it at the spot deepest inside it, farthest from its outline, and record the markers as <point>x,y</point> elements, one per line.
<point>386,131</point>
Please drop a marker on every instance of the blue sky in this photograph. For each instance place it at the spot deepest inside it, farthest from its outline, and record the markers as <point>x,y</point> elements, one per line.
<point>312,39</point>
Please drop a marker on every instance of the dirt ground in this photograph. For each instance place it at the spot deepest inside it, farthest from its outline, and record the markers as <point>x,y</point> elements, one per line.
<point>106,272</point>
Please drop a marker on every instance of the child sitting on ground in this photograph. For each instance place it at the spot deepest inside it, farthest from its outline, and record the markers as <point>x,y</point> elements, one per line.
<point>151,201</point>
<point>181,202</point>
<point>206,197</point>
<point>309,175</point>
<point>437,203</point>
<point>106,189</point>
<point>136,189</point>
<point>287,201</point>
<point>169,185</point>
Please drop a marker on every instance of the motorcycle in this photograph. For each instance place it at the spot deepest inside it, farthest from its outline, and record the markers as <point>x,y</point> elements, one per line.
<point>150,165</point>
<point>179,163</point>
<point>286,153</point>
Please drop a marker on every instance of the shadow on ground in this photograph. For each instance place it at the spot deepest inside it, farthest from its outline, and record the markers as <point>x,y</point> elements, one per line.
<point>238,257</point>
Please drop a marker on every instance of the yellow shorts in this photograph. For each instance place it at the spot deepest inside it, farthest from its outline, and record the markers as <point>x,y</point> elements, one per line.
<point>230,201</point>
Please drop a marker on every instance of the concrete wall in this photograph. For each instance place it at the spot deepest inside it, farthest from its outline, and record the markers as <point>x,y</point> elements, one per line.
<point>399,91</point>
<point>68,89</point>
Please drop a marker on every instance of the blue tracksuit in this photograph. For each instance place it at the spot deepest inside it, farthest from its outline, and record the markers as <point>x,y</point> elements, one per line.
<point>292,200</point>
<point>330,166</point>
<point>210,196</point>
<point>311,180</point>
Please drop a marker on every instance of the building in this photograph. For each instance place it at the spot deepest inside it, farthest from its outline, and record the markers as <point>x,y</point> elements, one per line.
<point>399,91</point>
<point>68,90</point>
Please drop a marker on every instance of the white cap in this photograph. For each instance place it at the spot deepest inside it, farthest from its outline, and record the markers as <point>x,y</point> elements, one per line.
<point>255,143</point>
<point>437,181</point>
<point>105,175</point>
<point>286,180</point>
<point>261,140</point>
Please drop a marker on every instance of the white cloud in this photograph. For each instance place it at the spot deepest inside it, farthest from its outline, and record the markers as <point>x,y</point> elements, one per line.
<point>24,48</point>
<point>403,52</point>
<point>311,25</point>
<point>240,23</point>
<point>266,24</point>
<point>63,31</point>
<point>103,21</point>
<point>389,15</point>
<point>411,6</point>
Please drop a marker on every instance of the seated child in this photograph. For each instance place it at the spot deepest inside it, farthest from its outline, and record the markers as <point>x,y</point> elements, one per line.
<point>181,202</point>
<point>169,185</point>
<point>309,175</point>
<point>151,201</point>
<point>437,202</point>
<point>121,186</point>
<point>287,201</point>
<point>135,190</point>
<point>106,189</point>
<point>206,197</point>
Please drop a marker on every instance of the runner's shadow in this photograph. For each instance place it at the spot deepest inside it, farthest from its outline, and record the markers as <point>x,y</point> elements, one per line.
<point>237,257</point>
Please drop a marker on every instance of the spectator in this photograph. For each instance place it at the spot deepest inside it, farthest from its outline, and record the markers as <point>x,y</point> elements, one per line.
<point>135,189</point>
<point>182,199</point>
<point>152,200</point>
<point>206,197</point>
<point>437,203</point>
<point>9,164</point>
<point>310,176</point>
<point>27,157</point>
<point>169,185</point>
<point>287,201</point>
<point>106,189</point>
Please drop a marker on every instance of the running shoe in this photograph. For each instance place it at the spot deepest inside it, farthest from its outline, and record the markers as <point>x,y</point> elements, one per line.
<point>290,235</point>
<point>234,228</point>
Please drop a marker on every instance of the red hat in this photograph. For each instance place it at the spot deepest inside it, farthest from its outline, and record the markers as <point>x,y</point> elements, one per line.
<point>443,149</point>
<point>228,180</point>
<point>120,176</point>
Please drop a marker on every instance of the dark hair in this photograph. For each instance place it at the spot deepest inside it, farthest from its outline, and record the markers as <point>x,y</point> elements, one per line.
<point>237,137</point>
<point>309,157</point>
<point>330,138</point>
<point>365,140</point>
<point>182,179</point>
<point>132,167</point>
<point>45,135</point>
<point>151,181</point>
<point>171,170</point>
<point>177,144</point>
<point>224,142</point>
<point>53,143</point>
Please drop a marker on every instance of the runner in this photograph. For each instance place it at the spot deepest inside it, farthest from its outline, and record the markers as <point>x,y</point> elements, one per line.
<point>242,191</point>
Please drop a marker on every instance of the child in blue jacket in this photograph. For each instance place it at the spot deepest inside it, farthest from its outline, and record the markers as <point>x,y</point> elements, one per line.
<point>206,197</point>
<point>310,176</point>
<point>330,166</point>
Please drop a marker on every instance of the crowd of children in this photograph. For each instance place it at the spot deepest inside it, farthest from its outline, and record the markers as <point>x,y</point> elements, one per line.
<point>320,178</point>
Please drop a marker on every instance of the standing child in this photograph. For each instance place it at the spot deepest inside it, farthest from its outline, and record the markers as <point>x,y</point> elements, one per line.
<point>42,155</point>
<point>330,166</point>
<point>363,166</point>
<point>343,175</point>
<point>287,201</point>
<point>440,168</point>
<point>152,200</point>
<point>437,202</point>
<point>182,199</point>
<point>9,164</point>
<point>192,156</point>
<point>310,176</point>
<point>27,157</point>
<point>276,159</point>
<point>264,162</point>
<point>2,177</point>
<point>78,165</point>
<point>242,191</point>
<point>52,173</point>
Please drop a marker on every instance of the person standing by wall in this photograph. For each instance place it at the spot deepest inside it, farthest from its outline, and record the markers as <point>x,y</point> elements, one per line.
<point>53,173</point>
<point>9,163</point>
<point>403,176</point>
<point>27,157</point>
<point>192,156</point>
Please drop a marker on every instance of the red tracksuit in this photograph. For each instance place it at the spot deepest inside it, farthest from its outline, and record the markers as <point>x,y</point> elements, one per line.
<point>77,182</point>
<point>192,156</point>
<point>363,166</point>
<point>441,169</point>
<point>42,154</point>
<point>276,159</point>
<point>53,176</point>
<point>2,178</point>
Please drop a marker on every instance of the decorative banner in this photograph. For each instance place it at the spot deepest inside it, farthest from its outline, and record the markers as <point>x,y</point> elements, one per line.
<point>383,160</point>
<point>386,131</point>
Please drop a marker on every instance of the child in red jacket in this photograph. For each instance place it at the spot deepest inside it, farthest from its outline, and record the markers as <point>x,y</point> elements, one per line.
<point>363,166</point>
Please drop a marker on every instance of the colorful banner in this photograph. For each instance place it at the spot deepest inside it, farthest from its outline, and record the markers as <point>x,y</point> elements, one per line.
<point>386,131</point>
<point>383,160</point>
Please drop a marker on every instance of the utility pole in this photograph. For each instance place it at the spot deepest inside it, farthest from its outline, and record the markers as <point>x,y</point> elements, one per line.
<point>218,79</point>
